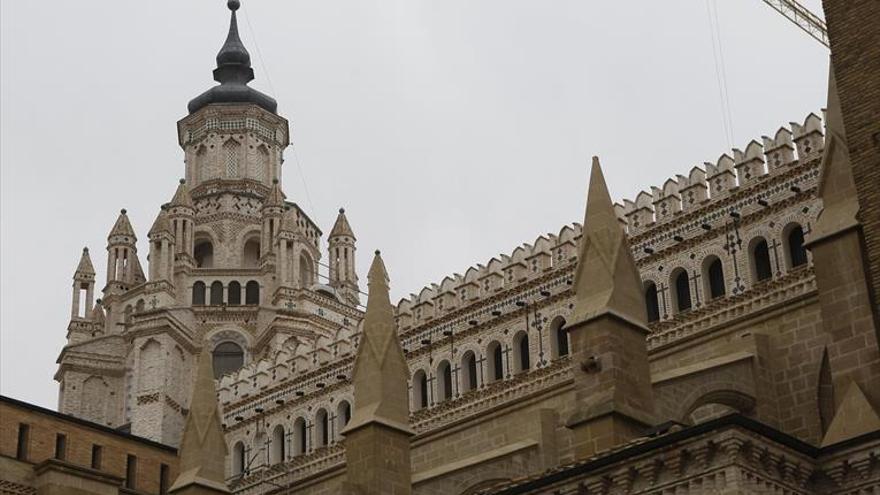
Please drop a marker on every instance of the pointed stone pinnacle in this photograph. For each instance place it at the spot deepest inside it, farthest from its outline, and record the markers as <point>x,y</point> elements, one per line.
<point>203,446</point>
<point>380,371</point>
<point>606,279</point>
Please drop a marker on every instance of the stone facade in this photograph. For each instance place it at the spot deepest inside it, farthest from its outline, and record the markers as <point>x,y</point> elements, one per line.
<point>737,360</point>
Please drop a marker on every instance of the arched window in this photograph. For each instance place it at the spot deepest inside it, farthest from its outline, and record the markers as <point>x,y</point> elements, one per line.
<point>233,293</point>
<point>420,390</point>
<point>496,363</point>
<point>444,375</point>
<point>203,252</point>
<point>343,414</point>
<point>306,271</point>
<point>199,290</point>
<point>231,150</point>
<point>761,269</point>
<point>251,256</point>
<point>652,303</point>
<point>300,433</point>
<point>238,464</point>
<point>558,337</point>
<point>521,357</point>
<point>469,369</point>
<point>323,428</point>
<point>217,293</point>
<point>228,357</point>
<point>797,254</point>
<point>682,293</point>
<point>252,293</point>
<point>276,453</point>
<point>713,277</point>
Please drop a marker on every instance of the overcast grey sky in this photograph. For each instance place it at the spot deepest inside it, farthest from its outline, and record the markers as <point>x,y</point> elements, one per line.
<point>451,130</point>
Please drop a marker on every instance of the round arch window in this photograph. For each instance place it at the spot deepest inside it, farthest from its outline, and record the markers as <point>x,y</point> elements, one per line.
<point>228,357</point>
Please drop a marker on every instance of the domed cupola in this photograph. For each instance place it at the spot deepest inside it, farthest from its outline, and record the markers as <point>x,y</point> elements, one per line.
<point>233,72</point>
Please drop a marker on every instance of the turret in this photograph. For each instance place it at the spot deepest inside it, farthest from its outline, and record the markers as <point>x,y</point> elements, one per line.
<point>286,269</point>
<point>272,214</point>
<point>83,285</point>
<point>162,248</point>
<point>343,276</point>
<point>181,215</point>
<point>123,267</point>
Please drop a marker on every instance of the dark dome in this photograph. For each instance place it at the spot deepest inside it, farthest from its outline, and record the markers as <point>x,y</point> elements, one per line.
<point>233,72</point>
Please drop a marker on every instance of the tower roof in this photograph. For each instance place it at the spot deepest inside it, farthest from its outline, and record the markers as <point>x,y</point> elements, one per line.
<point>341,227</point>
<point>202,447</point>
<point>161,224</point>
<point>182,196</point>
<point>233,72</point>
<point>85,266</point>
<point>122,226</point>
<point>606,278</point>
<point>380,369</point>
<point>276,196</point>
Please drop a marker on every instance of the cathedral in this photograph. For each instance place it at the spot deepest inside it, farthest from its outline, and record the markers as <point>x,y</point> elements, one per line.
<point>715,334</point>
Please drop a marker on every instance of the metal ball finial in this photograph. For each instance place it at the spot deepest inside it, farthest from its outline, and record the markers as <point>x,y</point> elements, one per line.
<point>183,181</point>
<point>233,5</point>
<point>123,211</point>
<point>342,210</point>
<point>378,252</point>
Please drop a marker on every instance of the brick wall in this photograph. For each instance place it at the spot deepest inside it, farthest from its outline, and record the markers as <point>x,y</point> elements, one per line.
<point>44,425</point>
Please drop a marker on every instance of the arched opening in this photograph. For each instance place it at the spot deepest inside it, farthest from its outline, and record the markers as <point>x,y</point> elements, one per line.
<point>306,271</point>
<point>203,252</point>
<point>713,278</point>
<point>343,415</point>
<point>228,357</point>
<point>233,293</point>
<point>217,293</point>
<point>444,376</point>
<point>126,313</point>
<point>496,361</point>
<point>682,292</point>
<point>718,403</point>
<point>139,306</point>
<point>231,151</point>
<point>322,425</point>
<point>652,302</point>
<point>760,255</point>
<point>198,293</point>
<point>797,254</point>
<point>252,293</point>
<point>238,463</point>
<point>469,371</point>
<point>521,360</point>
<point>251,256</point>
<point>276,452</point>
<point>559,344</point>
<point>420,390</point>
<point>300,433</point>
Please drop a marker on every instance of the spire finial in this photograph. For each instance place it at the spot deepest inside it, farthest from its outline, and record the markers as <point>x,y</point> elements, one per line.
<point>233,72</point>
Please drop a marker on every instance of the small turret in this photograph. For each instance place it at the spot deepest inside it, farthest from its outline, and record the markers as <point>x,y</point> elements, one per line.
<point>123,268</point>
<point>162,246</point>
<point>181,214</point>
<point>272,214</point>
<point>83,285</point>
<point>287,235</point>
<point>343,275</point>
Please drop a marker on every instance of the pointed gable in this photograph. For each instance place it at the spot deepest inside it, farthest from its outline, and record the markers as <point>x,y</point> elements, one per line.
<point>380,370</point>
<point>85,266</point>
<point>341,227</point>
<point>203,446</point>
<point>606,279</point>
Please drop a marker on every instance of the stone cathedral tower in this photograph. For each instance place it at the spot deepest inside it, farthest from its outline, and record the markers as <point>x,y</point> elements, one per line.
<point>233,267</point>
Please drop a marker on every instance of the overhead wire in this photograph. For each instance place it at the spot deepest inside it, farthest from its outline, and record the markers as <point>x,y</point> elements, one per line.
<point>720,72</point>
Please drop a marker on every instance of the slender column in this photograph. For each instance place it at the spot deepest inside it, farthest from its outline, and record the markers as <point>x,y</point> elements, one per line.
<point>74,309</point>
<point>90,297</point>
<point>165,260</point>
<point>111,265</point>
